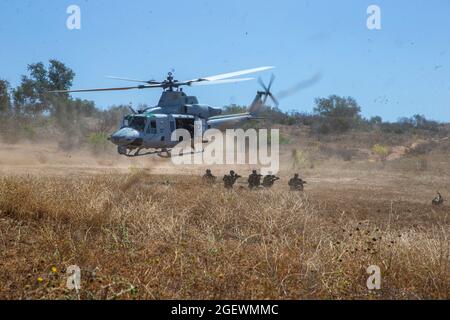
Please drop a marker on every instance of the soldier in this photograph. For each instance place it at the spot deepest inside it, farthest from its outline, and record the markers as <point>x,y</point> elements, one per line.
<point>296,183</point>
<point>209,178</point>
<point>438,200</point>
<point>254,180</point>
<point>269,180</point>
<point>229,180</point>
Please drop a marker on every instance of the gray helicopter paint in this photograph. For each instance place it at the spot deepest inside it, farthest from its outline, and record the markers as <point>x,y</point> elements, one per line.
<point>177,102</point>
<point>223,122</point>
<point>157,131</point>
<point>125,136</point>
<point>175,98</point>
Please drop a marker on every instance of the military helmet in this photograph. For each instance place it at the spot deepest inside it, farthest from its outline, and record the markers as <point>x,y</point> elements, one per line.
<point>296,175</point>
<point>232,172</point>
<point>208,171</point>
<point>254,171</point>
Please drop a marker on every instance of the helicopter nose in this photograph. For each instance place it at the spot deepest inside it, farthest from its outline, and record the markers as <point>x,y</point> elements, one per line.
<point>124,136</point>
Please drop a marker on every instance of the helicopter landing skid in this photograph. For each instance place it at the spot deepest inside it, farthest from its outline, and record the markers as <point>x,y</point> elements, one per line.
<point>164,153</point>
<point>183,154</point>
<point>137,154</point>
<point>168,154</point>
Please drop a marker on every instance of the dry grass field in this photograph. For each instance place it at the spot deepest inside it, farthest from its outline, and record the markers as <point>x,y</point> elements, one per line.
<point>147,233</point>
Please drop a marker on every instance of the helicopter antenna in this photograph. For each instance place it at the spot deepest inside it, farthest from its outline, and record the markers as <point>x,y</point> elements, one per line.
<point>130,106</point>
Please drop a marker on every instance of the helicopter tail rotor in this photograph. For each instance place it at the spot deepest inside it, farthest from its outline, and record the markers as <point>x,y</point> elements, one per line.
<point>267,93</point>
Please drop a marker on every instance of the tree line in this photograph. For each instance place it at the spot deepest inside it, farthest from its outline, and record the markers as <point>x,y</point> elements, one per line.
<point>30,105</point>
<point>337,115</point>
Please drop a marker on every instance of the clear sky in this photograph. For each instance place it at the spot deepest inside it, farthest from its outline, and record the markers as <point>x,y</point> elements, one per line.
<point>400,70</point>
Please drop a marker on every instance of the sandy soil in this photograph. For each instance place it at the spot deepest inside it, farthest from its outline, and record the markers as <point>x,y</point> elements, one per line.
<point>353,181</point>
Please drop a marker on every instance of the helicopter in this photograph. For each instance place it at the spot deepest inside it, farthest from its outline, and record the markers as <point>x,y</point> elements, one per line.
<point>152,127</point>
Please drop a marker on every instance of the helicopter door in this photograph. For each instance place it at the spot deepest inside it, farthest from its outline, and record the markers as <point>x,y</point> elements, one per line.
<point>152,127</point>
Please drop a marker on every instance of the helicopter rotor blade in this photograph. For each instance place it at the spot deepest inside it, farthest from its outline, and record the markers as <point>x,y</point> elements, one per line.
<point>134,80</point>
<point>207,83</point>
<point>230,74</point>
<point>107,89</point>
<point>170,83</point>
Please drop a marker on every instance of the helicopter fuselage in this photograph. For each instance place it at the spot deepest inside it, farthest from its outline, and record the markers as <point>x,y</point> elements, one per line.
<point>154,130</point>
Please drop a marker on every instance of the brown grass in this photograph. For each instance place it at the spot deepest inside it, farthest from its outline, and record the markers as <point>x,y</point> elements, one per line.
<point>142,236</point>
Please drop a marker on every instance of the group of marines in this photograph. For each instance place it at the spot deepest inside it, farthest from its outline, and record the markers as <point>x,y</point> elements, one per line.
<point>255,180</point>
<point>258,181</point>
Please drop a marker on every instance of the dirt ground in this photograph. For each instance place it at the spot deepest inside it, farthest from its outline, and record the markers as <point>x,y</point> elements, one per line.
<point>358,181</point>
<point>362,187</point>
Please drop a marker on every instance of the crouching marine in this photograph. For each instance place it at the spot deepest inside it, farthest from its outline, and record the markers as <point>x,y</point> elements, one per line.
<point>296,183</point>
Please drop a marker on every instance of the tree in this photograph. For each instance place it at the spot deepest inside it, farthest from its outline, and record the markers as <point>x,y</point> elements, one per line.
<point>60,77</point>
<point>338,114</point>
<point>32,96</point>
<point>420,122</point>
<point>5,99</point>
<point>377,120</point>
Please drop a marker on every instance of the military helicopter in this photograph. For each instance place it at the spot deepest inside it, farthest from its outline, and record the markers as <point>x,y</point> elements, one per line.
<point>151,128</point>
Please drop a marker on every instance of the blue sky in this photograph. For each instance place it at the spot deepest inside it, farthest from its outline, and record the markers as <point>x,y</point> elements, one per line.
<point>400,70</point>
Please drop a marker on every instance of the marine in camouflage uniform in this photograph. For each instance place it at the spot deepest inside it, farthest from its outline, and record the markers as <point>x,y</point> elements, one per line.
<point>254,180</point>
<point>208,177</point>
<point>230,180</point>
<point>296,183</point>
<point>269,180</point>
<point>438,200</point>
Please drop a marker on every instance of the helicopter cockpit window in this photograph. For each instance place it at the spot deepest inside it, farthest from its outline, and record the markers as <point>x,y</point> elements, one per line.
<point>137,123</point>
<point>152,127</point>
